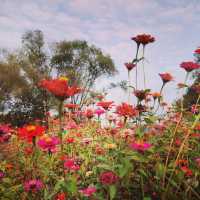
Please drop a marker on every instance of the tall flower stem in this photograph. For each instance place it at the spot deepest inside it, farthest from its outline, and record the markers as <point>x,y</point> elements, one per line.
<point>143,50</point>
<point>186,77</point>
<point>60,110</point>
<point>136,71</point>
<point>129,84</point>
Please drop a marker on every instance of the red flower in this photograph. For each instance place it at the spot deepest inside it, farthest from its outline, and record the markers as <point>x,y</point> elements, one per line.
<point>89,113</point>
<point>143,39</point>
<point>28,132</point>
<point>166,77</point>
<point>61,196</point>
<point>189,66</point>
<point>129,66</point>
<point>70,140</point>
<point>197,51</point>
<point>59,88</point>
<point>126,110</point>
<point>108,178</point>
<point>105,104</point>
<point>186,170</point>
<point>141,94</point>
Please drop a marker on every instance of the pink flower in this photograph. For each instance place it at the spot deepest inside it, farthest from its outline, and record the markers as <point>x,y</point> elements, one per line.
<point>71,125</point>
<point>89,191</point>
<point>33,185</point>
<point>70,164</point>
<point>197,160</point>
<point>140,146</point>
<point>108,178</point>
<point>48,143</point>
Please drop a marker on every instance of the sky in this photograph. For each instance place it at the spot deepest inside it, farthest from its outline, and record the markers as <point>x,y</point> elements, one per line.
<point>110,24</point>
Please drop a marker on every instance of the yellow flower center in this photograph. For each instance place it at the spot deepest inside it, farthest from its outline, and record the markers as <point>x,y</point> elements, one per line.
<point>30,128</point>
<point>63,78</point>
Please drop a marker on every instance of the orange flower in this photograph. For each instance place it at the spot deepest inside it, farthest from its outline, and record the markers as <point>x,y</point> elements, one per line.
<point>166,77</point>
<point>59,88</point>
<point>28,132</point>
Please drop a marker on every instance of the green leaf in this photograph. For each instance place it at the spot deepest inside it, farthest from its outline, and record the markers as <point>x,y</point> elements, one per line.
<point>147,198</point>
<point>71,185</point>
<point>112,191</point>
<point>159,170</point>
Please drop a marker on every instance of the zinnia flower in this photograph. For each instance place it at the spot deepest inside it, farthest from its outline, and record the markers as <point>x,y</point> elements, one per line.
<point>28,132</point>
<point>70,164</point>
<point>189,66</point>
<point>126,110</point>
<point>48,143</point>
<point>141,94</point>
<point>108,178</point>
<point>129,66</point>
<point>61,196</point>
<point>143,39</point>
<point>89,113</point>
<point>140,146</point>
<point>89,191</point>
<point>105,104</point>
<point>197,51</point>
<point>99,112</point>
<point>59,88</point>
<point>166,77</point>
<point>34,185</point>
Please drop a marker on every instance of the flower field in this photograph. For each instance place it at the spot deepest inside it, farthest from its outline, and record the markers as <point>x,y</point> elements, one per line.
<point>103,150</point>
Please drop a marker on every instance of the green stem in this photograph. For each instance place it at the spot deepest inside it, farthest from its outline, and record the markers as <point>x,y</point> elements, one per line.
<point>143,50</point>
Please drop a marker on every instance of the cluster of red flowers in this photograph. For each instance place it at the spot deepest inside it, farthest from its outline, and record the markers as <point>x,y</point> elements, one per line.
<point>189,66</point>
<point>143,39</point>
<point>59,88</point>
<point>126,110</point>
<point>166,77</point>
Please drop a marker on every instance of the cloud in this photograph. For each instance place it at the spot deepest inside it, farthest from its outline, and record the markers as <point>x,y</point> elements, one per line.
<point>110,25</point>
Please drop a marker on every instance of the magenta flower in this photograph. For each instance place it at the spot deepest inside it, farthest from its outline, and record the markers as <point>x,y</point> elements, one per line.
<point>89,191</point>
<point>140,146</point>
<point>33,185</point>
<point>99,112</point>
<point>1,175</point>
<point>48,143</point>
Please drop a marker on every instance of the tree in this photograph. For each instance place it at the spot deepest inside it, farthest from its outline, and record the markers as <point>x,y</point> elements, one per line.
<point>82,64</point>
